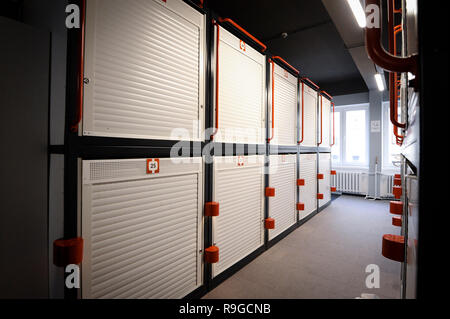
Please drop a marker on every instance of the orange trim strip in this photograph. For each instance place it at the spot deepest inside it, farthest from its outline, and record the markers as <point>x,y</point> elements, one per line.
<point>237,26</point>
<point>310,82</point>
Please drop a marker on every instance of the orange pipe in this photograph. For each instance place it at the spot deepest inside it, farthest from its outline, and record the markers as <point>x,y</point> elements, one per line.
<point>217,79</point>
<point>74,126</point>
<point>237,26</point>
<point>287,64</point>
<point>273,100</point>
<point>303,113</point>
<point>320,119</point>
<point>310,82</point>
<point>379,55</point>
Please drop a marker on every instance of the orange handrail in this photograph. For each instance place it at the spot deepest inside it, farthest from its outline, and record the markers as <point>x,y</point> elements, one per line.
<point>273,100</point>
<point>320,120</point>
<point>310,82</point>
<point>217,79</point>
<point>333,125</point>
<point>303,112</point>
<point>74,126</point>
<point>287,64</point>
<point>237,26</point>
<point>379,55</point>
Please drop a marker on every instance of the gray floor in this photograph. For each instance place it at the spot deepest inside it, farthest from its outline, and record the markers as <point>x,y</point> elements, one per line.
<point>324,258</point>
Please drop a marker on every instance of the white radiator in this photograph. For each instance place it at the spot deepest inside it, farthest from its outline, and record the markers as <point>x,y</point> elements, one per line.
<point>386,183</point>
<point>350,182</point>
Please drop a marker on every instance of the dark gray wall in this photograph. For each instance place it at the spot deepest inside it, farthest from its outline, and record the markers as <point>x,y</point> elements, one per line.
<point>23,165</point>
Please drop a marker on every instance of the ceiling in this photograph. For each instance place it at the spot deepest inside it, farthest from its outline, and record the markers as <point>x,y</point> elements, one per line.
<point>313,45</point>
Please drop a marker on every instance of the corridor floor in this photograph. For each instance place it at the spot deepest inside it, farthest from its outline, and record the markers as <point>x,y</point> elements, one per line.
<point>324,258</point>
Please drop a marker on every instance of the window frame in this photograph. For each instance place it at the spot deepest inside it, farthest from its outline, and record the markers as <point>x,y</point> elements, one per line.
<point>343,109</point>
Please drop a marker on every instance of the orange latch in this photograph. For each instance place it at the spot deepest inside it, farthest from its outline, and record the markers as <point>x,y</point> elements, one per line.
<point>320,196</point>
<point>319,176</point>
<point>212,254</point>
<point>270,192</point>
<point>211,209</point>
<point>300,206</point>
<point>397,221</point>
<point>333,189</point>
<point>397,181</point>
<point>396,207</point>
<point>397,191</point>
<point>269,223</point>
<point>300,182</point>
<point>393,247</point>
<point>397,176</point>
<point>332,172</point>
<point>68,251</point>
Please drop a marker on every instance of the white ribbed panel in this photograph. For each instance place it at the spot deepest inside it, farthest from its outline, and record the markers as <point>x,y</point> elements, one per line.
<point>282,207</point>
<point>285,107</point>
<point>239,229</point>
<point>310,117</point>
<point>326,122</point>
<point>241,92</point>
<point>308,192</point>
<point>142,232</point>
<point>144,62</point>
<point>324,184</point>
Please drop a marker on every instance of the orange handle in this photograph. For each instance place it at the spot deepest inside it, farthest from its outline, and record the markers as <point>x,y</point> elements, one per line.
<point>287,64</point>
<point>217,80</point>
<point>273,101</point>
<point>74,126</point>
<point>237,26</point>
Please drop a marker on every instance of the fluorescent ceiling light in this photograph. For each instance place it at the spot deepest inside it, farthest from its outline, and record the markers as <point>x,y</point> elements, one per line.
<point>411,76</point>
<point>358,12</point>
<point>380,82</point>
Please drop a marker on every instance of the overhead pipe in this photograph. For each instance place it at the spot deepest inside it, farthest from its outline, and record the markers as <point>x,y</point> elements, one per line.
<point>379,55</point>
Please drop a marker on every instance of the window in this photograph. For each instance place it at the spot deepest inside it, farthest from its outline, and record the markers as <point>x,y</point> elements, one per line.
<point>391,151</point>
<point>352,139</point>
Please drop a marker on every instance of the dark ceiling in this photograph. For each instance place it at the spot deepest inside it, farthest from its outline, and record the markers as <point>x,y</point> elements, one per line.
<point>313,44</point>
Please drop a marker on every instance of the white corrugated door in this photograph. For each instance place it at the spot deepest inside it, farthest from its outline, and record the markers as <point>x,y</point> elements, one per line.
<point>326,122</point>
<point>285,132</point>
<point>308,192</point>
<point>242,99</point>
<point>324,184</point>
<point>145,64</point>
<point>282,207</point>
<point>238,188</point>
<point>142,229</point>
<point>310,117</point>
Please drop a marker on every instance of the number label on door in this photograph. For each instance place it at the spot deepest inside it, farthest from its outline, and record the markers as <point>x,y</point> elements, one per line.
<point>152,165</point>
<point>242,45</point>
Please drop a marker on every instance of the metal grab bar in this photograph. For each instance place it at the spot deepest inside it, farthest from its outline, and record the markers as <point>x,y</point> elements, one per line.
<point>217,80</point>
<point>273,99</point>
<point>379,55</point>
<point>74,126</point>
<point>287,64</point>
<point>237,26</point>
<point>303,113</point>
